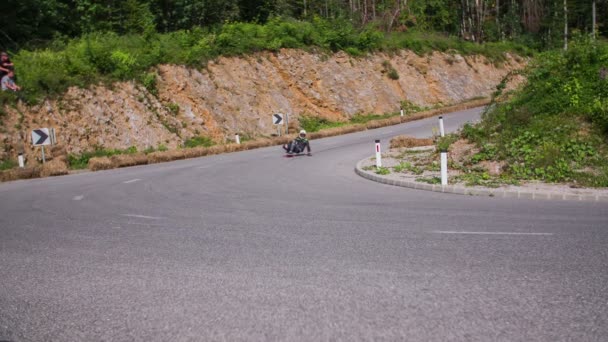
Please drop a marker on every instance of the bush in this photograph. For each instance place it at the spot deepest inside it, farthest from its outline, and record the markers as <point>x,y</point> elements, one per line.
<point>555,128</point>
<point>107,57</point>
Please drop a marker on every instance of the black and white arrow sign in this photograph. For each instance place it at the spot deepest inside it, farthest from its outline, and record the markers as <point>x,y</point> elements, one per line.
<point>277,119</point>
<point>41,137</point>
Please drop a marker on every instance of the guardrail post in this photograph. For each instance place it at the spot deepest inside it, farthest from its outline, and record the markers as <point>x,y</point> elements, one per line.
<point>378,154</point>
<point>444,167</point>
<point>21,161</point>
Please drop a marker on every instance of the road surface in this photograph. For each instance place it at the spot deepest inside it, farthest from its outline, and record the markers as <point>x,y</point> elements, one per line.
<point>254,246</point>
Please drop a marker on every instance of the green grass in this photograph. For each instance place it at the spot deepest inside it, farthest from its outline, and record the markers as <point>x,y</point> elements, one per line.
<point>315,124</point>
<point>81,161</point>
<point>7,164</point>
<point>555,129</point>
<point>383,171</point>
<point>198,141</point>
<point>160,148</point>
<point>107,57</point>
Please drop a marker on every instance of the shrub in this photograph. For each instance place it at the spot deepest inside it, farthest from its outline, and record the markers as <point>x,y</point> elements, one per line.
<point>106,57</point>
<point>555,128</point>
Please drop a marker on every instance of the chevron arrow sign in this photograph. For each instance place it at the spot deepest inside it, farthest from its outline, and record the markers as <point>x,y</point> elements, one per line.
<point>41,137</point>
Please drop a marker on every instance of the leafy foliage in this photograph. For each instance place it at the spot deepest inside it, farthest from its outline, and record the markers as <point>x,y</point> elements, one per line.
<point>555,129</point>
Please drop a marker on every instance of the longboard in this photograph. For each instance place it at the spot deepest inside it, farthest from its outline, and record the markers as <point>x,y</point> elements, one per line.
<point>287,155</point>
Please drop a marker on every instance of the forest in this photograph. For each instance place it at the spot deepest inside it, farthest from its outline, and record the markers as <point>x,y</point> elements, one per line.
<point>29,24</point>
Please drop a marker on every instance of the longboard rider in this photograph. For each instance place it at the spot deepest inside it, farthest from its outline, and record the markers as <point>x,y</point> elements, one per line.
<point>298,144</point>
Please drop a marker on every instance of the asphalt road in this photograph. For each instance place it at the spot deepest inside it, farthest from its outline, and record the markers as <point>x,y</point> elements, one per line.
<point>253,246</point>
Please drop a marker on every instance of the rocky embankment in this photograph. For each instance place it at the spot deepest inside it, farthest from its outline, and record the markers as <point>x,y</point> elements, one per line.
<point>240,94</point>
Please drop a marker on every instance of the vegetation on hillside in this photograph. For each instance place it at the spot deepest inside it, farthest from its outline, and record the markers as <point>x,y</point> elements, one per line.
<point>99,57</point>
<point>59,43</point>
<point>34,23</point>
<point>555,128</point>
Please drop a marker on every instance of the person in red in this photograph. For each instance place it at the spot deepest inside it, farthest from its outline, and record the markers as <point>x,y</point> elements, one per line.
<point>5,65</point>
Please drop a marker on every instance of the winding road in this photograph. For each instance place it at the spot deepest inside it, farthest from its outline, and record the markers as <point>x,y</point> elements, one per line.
<point>253,246</point>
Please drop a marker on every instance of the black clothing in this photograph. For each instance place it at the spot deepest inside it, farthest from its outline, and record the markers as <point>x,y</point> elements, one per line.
<point>298,145</point>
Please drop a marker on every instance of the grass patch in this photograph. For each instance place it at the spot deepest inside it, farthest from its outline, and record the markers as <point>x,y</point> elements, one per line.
<point>160,148</point>
<point>429,180</point>
<point>7,164</point>
<point>198,141</point>
<point>406,166</point>
<point>315,124</point>
<point>383,171</point>
<point>81,161</point>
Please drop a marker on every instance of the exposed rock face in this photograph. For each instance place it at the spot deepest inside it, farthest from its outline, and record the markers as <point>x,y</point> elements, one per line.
<point>240,94</point>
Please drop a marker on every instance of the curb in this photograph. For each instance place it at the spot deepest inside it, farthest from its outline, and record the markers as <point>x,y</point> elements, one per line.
<point>460,190</point>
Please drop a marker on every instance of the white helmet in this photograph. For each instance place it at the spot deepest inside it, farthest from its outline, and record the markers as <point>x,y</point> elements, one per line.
<point>302,132</point>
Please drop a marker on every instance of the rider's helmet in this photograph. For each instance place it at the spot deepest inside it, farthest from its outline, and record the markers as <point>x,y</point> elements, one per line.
<point>302,134</point>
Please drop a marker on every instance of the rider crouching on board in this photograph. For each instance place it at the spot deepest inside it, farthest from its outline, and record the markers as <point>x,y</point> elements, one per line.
<point>298,144</point>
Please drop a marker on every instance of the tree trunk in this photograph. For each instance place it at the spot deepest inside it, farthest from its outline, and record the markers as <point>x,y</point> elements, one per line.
<point>593,14</point>
<point>565,25</point>
<point>498,20</point>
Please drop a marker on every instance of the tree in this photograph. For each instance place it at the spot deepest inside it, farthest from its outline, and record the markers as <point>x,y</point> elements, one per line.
<point>565,24</point>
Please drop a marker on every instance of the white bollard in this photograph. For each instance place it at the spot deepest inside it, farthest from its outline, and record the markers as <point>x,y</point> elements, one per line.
<point>237,139</point>
<point>401,112</point>
<point>444,168</point>
<point>21,161</point>
<point>378,154</point>
<point>441,129</point>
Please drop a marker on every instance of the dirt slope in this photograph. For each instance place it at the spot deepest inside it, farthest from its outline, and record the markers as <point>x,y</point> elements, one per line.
<point>240,94</point>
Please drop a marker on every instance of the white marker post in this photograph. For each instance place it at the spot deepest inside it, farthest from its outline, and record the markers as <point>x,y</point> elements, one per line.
<point>402,112</point>
<point>444,167</point>
<point>21,161</point>
<point>441,129</point>
<point>378,154</point>
<point>237,139</point>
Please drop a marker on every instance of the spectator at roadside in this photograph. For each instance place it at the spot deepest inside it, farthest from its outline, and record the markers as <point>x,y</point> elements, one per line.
<point>8,82</point>
<point>5,65</point>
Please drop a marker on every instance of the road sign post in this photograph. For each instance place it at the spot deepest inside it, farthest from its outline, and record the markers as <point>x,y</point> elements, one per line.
<point>277,119</point>
<point>378,154</point>
<point>42,137</point>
